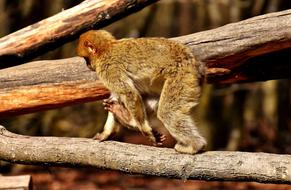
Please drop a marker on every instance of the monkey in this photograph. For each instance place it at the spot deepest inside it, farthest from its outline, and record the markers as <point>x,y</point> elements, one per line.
<point>122,115</point>
<point>147,67</point>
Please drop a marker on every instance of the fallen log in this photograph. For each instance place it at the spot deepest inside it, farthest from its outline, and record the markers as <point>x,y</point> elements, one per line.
<point>147,160</point>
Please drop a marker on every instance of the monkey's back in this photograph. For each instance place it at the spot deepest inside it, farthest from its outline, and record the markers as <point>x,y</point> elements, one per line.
<point>149,61</point>
<point>151,55</point>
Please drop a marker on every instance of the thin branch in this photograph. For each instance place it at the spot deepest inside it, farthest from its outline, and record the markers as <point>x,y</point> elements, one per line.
<point>67,24</point>
<point>147,160</point>
<point>238,52</point>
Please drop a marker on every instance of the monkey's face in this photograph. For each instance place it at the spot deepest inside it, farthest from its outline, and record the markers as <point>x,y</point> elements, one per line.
<point>86,49</point>
<point>93,44</point>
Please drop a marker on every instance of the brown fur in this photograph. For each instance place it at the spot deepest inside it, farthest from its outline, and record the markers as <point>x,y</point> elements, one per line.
<point>133,68</point>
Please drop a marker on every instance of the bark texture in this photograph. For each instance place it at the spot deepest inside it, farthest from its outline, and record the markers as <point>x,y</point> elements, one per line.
<point>44,85</point>
<point>148,160</point>
<point>67,24</point>
<point>256,49</point>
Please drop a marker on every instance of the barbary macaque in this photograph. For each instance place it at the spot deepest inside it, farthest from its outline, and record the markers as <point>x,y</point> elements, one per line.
<point>135,69</point>
<point>122,116</point>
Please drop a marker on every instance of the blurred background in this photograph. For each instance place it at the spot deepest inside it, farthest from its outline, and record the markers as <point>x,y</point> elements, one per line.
<point>245,117</point>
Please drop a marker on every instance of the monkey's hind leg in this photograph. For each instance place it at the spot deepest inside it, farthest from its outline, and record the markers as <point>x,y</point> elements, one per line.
<point>178,98</point>
<point>122,115</point>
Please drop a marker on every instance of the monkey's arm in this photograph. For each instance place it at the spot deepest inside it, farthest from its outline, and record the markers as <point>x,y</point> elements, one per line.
<point>132,101</point>
<point>119,83</point>
<point>120,113</point>
<point>134,104</point>
<point>122,116</point>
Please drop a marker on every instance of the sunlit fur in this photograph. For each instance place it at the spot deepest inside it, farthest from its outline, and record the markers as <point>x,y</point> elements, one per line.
<point>132,68</point>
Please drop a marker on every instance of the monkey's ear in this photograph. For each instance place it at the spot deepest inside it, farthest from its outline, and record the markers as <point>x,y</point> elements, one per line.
<point>90,46</point>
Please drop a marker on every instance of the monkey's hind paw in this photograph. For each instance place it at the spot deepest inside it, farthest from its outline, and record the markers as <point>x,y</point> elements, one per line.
<point>100,137</point>
<point>159,138</point>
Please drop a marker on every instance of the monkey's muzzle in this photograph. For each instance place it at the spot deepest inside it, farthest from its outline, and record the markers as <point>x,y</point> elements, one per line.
<point>88,64</point>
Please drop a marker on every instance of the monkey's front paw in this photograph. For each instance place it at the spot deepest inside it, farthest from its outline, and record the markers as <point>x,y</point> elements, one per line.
<point>159,138</point>
<point>110,104</point>
<point>119,111</point>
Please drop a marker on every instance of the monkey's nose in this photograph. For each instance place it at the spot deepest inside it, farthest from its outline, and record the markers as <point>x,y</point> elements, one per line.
<point>88,64</point>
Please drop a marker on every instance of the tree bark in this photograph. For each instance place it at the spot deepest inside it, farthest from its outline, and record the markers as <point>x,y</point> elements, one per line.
<point>66,25</point>
<point>42,97</point>
<point>252,50</point>
<point>255,49</point>
<point>147,160</point>
<point>44,85</point>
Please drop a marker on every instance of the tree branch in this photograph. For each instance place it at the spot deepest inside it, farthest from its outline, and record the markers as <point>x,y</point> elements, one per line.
<point>218,165</point>
<point>42,85</point>
<point>66,25</point>
<point>252,50</point>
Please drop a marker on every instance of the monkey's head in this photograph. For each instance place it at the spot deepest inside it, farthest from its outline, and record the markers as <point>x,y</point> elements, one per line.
<point>93,44</point>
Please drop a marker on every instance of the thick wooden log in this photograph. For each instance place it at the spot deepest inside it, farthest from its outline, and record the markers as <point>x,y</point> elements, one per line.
<point>46,72</point>
<point>148,160</point>
<point>254,51</point>
<point>42,97</point>
<point>49,84</point>
<point>242,47</point>
<point>66,25</point>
